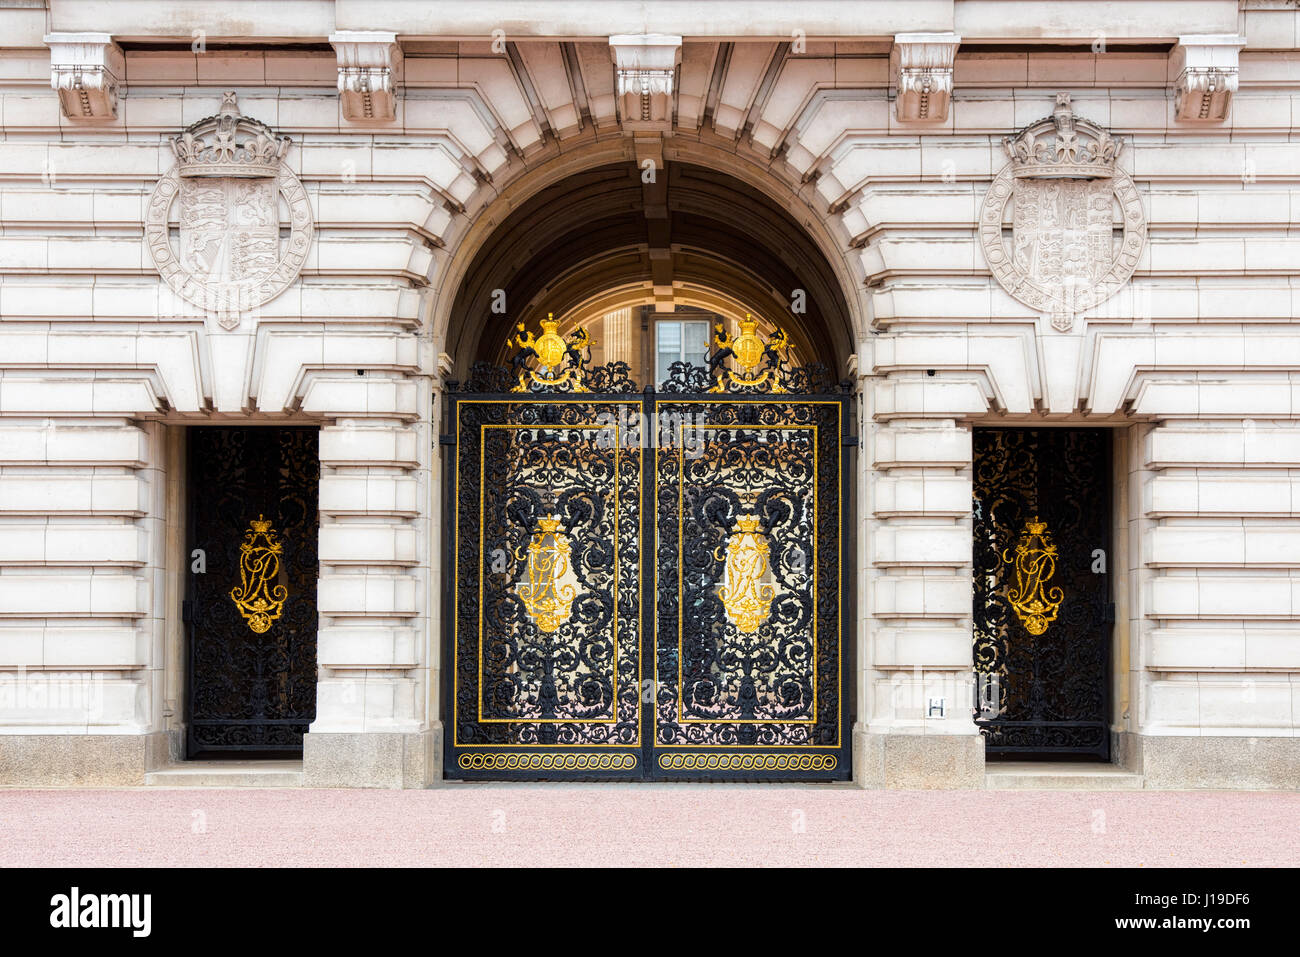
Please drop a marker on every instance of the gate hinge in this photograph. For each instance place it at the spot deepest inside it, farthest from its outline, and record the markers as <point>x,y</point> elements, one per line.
<point>187,610</point>
<point>850,440</point>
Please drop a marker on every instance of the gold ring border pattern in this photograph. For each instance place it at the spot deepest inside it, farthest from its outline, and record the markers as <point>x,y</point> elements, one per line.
<point>546,761</point>
<point>747,762</point>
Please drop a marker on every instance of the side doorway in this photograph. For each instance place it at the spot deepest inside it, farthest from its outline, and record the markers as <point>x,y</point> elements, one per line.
<point>250,608</point>
<point>1042,606</point>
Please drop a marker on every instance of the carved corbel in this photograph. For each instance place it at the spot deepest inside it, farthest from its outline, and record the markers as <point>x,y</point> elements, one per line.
<point>370,67</point>
<point>644,67</point>
<point>922,65</point>
<point>1205,77</point>
<point>85,69</point>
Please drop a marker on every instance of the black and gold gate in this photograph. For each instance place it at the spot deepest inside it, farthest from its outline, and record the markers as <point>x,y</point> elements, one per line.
<point>648,584</point>
<point>251,604</point>
<point>1042,611</point>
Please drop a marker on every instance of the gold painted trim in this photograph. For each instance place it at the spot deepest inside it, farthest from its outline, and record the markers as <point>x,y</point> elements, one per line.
<point>680,564</point>
<point>482,498</point>
<point>455,628</point>
<point>686,761</point>
<point>839,602</point>
<point>547,761</point>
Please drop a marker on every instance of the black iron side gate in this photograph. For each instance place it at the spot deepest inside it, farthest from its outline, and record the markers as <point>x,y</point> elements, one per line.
<point>1042,607</point>
<point>647,585</point>
<point>250,608</point>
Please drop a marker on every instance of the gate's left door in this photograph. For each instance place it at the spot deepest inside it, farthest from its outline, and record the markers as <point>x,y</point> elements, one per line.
<point>251,599</point>
<point>544,587</point>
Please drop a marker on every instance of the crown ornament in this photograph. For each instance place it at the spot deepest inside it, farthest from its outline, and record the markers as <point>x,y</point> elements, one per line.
<point>229,144</point>
<point>1063,146</point>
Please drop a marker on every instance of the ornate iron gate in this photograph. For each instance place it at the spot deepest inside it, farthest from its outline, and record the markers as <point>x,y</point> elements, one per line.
<point>251,606</point>
<point>1042,611</point>
<point>648,585</point>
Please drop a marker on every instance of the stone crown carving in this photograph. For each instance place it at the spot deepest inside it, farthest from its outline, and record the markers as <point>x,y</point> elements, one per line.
<point>1063,146</point>
<point>229,144</point>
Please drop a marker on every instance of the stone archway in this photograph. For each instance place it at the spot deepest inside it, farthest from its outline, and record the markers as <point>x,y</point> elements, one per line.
<point>693,246</point>
<point>713,232</point>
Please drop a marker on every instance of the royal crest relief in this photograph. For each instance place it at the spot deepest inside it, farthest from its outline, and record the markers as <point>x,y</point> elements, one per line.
<point>1077,227</point>
<point>228,254</point>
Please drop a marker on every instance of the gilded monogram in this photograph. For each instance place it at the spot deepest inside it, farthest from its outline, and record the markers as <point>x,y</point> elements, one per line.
<point>547,598</point>
<point>1035,562</point>
<point>258,596</point>
<point>745,594</point>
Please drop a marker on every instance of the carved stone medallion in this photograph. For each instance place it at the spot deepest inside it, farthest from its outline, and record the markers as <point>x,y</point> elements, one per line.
<point>1077,227</point>
<point>228,256</point>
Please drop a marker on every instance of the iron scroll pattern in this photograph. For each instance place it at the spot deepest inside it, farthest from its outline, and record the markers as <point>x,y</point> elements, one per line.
<point>769,674</point>
<point>560,535</point>
<point>546,514</point>
<point>1052,678</point>
<point>251,691</point>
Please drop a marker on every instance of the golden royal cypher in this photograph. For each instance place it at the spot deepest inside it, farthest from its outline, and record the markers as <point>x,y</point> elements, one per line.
<point>259,601</point>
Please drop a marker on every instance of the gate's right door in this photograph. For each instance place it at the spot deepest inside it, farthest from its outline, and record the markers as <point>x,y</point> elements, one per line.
<point>1042,612</point>
<point>750,583</point>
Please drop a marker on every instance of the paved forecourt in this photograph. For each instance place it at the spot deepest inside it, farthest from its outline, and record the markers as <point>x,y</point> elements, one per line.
<point>657,825</point>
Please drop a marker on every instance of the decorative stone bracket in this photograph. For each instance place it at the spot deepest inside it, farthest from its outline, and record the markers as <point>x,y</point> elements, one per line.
<point>1205,77</point>
<point>644,67</point>
<point>922,68</point>
<point>370,67</point>
<point>85,69</point>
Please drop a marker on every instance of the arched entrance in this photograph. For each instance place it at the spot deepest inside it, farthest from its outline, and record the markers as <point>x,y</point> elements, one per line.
<point>648,518</point>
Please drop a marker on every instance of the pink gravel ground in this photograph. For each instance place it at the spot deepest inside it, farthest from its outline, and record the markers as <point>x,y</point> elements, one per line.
<point>648,824</point>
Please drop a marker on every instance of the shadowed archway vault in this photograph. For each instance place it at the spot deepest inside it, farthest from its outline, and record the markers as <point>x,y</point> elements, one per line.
<point>694,239</point>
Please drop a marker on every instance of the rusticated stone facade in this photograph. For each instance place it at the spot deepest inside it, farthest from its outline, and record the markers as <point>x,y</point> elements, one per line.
<point>400,138</point>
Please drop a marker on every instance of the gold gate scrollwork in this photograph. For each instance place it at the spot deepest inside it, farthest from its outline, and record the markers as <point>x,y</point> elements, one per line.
<point>747,598</point>
<point>259,601</point>
<point>547,600</point>
<point>1035,562</point>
